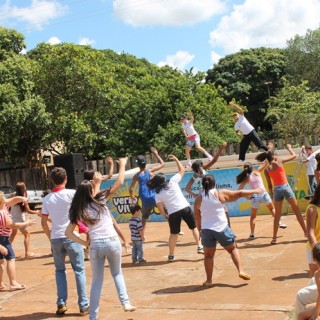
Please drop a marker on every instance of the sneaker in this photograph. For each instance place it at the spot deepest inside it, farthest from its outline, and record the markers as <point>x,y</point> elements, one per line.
<point>251,237</point>
<point>142,261</point>
<point>188,165</point>
<point>282,225</point>
<point>181,233</point>
<point>129,308</point>
<point>209,158</point>
<point>307,197</point>
<point>200,250</point>
<point>84,311</point>
<point>62,308</point>
<point>170,258</point>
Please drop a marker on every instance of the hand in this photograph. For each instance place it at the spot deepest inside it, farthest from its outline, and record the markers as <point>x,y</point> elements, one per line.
<point>123,161</point>
<point>31,222</point>
<point>288,146</point>
<point>127,247</point>
<point>97,177</point>
<point>154,150</point>
<point>172,157</point>
<point>224,145</point>
<point>109,160</point>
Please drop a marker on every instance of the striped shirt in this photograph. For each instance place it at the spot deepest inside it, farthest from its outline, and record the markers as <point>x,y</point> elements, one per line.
<point>4,230</point>
<point>135,225</point>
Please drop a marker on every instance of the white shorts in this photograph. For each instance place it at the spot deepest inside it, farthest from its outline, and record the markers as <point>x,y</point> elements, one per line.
<point>310,256</point>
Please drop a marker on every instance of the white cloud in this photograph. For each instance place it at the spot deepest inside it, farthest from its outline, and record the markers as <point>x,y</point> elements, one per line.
<point>167,12</point>
<point>215,57</point>
<point>54,40</point>
<point>178,60</point>
<point>264,24</point>
<point>86,41</point>
<point>36,15</point>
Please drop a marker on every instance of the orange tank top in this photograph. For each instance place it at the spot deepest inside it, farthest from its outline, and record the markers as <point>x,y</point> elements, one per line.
<point>278,176</point>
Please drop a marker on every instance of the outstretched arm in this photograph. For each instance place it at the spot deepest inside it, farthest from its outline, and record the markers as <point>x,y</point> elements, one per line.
<point>191,117</point>
<point>161,162</point>
<point>292,156</point>
<point>237,107</point>
<point>216,157</point>
<point>230,195</point>
<point>179,164</point>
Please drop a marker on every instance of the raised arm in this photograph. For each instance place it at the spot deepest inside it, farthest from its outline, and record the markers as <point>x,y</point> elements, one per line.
<point>133,183</point>
<point>237,107</point>
<point>120,178</point>
<point>292,156</point>
<point>179,164</point>
<point>191,117</point>
<point>161,162</point>
<point>108,176</point>
<point>216,157</point>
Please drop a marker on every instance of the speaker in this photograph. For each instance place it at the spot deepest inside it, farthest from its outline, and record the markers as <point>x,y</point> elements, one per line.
<point>74,165</point>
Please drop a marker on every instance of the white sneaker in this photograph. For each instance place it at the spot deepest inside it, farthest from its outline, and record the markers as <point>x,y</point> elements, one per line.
<point>188,165</point>
<point>282,225</point>
<point>209,158</point>
<point>181,233</point>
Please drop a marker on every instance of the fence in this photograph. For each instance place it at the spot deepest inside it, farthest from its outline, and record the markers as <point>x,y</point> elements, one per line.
<point>38,179</point>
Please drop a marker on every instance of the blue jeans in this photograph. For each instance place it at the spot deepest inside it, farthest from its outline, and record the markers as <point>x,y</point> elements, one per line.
<point>100,249</point>
<point>137,251</point>
<point>60,249</point>
<point>312,184</point>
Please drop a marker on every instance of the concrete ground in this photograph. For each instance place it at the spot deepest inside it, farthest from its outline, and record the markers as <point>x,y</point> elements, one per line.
<point>165,291</point>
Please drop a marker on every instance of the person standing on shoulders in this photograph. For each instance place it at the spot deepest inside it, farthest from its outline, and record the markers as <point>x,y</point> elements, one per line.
<point>193,138</point>
<point>243,126</point>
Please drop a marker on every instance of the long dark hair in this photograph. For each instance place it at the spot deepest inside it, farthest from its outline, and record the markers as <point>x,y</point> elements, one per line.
<point>196,166</point>
<point>317,157</point>
<point>158,183</point>
<point>265,155</point>
<point>81,200</point>
<point>316,196</point>
<point>247,170</point>
<point>21,190</point>
<point>208,183</point>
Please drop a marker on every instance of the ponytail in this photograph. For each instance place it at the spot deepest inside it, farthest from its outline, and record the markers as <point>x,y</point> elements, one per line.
<point>265,155</point>
<point>247,170</point>
<point>208,183</point>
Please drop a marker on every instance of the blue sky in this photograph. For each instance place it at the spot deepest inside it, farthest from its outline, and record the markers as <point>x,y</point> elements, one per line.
<point>180,33</point>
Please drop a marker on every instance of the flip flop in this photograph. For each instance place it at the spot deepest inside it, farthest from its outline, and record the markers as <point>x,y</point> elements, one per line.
<point>20,287</point>
<point>30,256</point>
<point>3,287</point>
<point>244,276</point>
<point>207,285</point>
<point>273,241</point>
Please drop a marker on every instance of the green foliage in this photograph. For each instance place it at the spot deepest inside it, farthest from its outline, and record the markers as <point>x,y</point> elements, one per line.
<point>11,42</point>
<point>294,112</point>
<point>249,77</point>
<point>303,55</point>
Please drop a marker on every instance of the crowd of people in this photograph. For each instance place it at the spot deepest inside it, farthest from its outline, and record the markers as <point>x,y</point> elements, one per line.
<point>67,213</point>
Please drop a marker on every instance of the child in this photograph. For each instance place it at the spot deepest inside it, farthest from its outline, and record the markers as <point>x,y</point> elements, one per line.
<point>312,313</point>
<point>6,224</point>
<point>137,234</point>
<point>193,138</point>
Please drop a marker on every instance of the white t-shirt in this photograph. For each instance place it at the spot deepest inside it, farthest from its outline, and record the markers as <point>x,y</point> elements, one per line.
<point>103,228</point>
<point>243,125</point>
<point>173,198</point>
<point>56,205</point>
<point>312,164</point>
<point>189,129</point>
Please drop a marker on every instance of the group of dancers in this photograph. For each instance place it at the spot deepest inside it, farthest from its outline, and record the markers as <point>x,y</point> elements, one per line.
<point>63,210</point>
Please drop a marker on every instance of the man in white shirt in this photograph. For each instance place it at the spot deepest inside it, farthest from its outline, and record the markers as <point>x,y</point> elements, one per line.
<point>310,159</point>
<point>243,126</point>
<point>56,207</point>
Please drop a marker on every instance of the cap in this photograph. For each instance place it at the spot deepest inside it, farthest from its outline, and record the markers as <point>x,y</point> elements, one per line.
<point>141,160</point>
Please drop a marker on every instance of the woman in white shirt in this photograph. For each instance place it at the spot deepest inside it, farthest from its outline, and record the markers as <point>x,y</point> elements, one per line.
<point>89,206</point>
<point>170,196</point>
<point>212,222</point>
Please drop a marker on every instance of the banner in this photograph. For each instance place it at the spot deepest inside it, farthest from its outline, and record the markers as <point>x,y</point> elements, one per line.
<point>225,179</point>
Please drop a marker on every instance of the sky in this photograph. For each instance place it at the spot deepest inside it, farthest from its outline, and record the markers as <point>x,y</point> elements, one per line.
<point>183,34</point>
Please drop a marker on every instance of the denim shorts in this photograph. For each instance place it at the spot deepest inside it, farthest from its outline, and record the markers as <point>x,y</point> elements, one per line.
<point>256,199</point>
<point>190,143</point>
<point>4,241</point>
<point>209,238</point>
<point>283,191</point>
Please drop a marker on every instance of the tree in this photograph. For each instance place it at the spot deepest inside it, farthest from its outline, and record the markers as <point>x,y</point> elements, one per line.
<point>250,77</point>
<point>11,42</point>
<point>294,112</point>
<point>303,56</point>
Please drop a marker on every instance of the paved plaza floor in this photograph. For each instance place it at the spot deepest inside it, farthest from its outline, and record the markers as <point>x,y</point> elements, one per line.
<point>165,291</point>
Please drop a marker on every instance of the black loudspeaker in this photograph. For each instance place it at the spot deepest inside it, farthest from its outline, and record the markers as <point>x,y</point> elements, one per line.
<point>74,165</point>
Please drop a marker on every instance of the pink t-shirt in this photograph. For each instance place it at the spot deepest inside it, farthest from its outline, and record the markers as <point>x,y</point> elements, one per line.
<point>4,230</point>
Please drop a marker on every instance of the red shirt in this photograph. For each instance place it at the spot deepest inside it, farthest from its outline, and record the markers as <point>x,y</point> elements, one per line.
<point>4,230</point>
